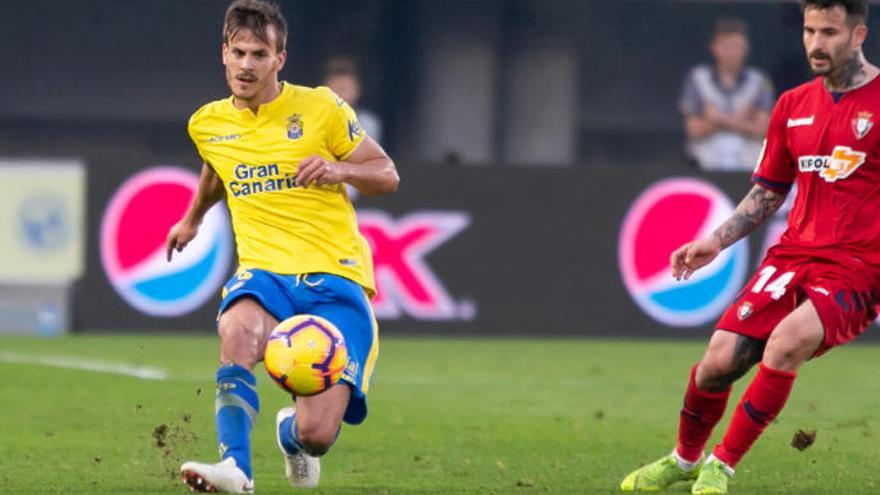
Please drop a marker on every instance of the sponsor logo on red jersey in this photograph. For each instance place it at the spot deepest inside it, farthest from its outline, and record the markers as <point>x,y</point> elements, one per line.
<point>840,164</point>
<point>801,121</point>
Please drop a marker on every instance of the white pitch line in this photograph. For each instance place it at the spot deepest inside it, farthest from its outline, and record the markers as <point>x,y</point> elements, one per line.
<point>59,361</point>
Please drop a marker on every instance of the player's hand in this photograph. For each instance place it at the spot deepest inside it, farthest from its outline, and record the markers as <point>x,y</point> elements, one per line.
<point>692,256</point>
<point>319,171</point>
<point>179,236</point>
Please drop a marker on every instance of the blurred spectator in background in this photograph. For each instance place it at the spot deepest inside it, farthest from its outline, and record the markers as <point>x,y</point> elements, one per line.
<point>727,105</point>
<point>342,77</point>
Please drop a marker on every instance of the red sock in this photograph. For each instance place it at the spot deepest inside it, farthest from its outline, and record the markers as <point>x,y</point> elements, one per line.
<point>700,413</point>
<point>759,406</point>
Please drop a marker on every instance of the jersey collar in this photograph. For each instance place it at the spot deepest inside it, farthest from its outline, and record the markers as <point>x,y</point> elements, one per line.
<point>265,108</point>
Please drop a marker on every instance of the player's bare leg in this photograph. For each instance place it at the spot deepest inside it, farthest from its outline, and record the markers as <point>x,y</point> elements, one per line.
<point>320,416</point>
<point>244,328</point>
<point>793,342</point>
<point>727,358</point>
<point>307,432</point>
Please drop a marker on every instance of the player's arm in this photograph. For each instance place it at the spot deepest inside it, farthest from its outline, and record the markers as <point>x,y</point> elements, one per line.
<point>758,205</point>
<point>209,192</point>
<point>773,178</point>
<point>369,169</point>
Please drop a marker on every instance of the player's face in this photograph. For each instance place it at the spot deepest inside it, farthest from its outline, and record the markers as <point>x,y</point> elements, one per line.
<point>252,65</point>
<point>730,51</point>
<point>829,40</point>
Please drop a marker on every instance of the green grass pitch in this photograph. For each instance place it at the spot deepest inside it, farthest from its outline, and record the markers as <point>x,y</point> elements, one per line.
<point>467,416</point>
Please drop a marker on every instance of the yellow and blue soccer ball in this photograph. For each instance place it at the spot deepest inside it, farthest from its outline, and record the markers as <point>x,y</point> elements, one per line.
<point>306,355</point>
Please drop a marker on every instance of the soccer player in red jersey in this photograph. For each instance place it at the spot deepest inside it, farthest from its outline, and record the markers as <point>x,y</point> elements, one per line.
<point>818,287</point>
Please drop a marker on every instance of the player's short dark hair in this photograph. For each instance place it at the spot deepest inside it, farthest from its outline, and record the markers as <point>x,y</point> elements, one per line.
<point>856,10</point>
<point>256,16</point>
<point>730,25</point>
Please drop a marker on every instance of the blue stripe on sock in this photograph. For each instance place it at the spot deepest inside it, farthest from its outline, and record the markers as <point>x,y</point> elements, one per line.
<point>236,371</point>
<point>289,435</point>
<point>290,441</point>
<point>236,405</point>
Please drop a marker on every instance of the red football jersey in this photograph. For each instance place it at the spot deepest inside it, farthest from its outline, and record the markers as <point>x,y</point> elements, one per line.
<point>828,143</point>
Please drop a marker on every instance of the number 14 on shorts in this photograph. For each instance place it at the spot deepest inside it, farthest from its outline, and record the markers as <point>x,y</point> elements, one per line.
<point>775,287</point>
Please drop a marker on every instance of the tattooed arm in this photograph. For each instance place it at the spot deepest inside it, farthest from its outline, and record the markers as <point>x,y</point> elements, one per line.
<point>758,205</point>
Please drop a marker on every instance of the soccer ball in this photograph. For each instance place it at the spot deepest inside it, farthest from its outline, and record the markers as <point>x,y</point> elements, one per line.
<point>306,355</point>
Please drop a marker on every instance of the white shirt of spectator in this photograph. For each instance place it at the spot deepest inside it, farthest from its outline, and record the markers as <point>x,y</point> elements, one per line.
<point>725,150</point>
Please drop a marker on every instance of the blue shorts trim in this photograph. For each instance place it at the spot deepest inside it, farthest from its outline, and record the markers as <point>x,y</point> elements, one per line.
<point>341,301</point>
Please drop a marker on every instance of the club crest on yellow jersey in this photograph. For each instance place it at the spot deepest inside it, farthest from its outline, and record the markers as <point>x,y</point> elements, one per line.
<point>294,126</point>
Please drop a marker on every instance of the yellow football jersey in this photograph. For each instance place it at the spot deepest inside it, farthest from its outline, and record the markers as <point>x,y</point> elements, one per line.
<point>280,227</point>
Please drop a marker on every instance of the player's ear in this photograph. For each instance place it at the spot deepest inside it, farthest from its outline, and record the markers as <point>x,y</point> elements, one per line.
<point>280,59</point>
<point>860,33</point>
<point>224,53</point>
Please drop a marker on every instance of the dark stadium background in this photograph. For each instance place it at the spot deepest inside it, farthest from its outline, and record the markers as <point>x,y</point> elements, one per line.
<point>102,72</point>
<point>542,120</point>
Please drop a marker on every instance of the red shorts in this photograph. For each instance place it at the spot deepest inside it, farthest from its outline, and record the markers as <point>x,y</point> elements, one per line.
<point>844,297</point>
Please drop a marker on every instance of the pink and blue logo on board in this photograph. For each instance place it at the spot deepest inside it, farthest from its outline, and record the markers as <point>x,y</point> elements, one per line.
<point>664,216</point>
<point>133,232</point>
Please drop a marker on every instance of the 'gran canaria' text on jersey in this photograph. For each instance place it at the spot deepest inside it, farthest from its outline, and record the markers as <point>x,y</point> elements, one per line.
<point>253,179</point>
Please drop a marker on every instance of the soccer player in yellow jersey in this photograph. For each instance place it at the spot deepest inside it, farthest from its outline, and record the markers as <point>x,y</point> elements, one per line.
<point>281,156</point>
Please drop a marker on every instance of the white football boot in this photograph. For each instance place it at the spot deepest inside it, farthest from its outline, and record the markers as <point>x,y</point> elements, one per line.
<point>223,477</point>
<point>302,470</point>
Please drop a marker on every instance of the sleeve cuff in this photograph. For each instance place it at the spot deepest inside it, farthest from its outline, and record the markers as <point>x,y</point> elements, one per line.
<point>782,187</point>
<point>354,148</point>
